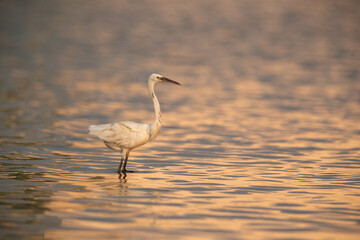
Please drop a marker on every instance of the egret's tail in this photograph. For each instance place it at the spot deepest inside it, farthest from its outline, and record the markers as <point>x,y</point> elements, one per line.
<point>97,130</point>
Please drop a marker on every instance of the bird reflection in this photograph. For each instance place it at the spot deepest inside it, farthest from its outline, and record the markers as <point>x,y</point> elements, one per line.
<point>122,177</point>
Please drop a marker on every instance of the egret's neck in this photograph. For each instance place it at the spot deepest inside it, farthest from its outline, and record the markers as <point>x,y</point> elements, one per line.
<point>156,125</point>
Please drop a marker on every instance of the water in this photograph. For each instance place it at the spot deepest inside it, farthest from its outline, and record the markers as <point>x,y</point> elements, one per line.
<point>262,141</point>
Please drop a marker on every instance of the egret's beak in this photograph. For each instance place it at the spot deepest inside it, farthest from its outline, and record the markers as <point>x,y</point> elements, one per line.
<point>164,79</point>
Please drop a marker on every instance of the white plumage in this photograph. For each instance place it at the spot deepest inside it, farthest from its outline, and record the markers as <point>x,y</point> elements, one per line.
<point>126,135</point>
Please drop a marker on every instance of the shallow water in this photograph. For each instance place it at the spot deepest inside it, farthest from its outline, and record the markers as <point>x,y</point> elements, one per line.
<point>261,141</point>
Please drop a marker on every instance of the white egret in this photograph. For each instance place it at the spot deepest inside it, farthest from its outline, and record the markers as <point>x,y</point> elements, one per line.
<point>124,136</point>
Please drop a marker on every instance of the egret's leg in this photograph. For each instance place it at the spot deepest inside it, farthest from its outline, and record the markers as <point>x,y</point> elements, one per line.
<point>120,165</point>
<point>121,162</point>
<point>126,159</point>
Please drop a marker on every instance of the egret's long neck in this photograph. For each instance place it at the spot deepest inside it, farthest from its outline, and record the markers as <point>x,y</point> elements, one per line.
<point>156,125</point>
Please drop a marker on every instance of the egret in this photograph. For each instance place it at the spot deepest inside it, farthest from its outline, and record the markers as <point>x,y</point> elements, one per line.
<point>124,136</point>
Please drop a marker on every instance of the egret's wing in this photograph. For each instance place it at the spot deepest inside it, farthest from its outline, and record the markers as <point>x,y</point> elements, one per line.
<point>134,127</point>
<point>105,132</point>
<point>125,133</point>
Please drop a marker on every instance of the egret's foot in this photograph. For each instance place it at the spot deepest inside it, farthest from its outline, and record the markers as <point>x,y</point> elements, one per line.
<point>124,171</point>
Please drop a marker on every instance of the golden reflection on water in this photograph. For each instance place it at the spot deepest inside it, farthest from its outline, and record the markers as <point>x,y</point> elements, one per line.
<point>261,141</point>
<point>223,166</point>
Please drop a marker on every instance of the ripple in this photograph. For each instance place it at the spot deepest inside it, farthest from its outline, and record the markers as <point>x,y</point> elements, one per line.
<point>261,141</point>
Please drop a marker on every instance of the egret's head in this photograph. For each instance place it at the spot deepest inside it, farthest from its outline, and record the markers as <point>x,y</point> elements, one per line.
<point>158,78</point>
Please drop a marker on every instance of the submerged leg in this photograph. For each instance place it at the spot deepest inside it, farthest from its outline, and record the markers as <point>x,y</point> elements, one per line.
<point>127,152</point>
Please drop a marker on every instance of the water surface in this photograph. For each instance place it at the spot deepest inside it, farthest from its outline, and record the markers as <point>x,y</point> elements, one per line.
<point>261,141</point>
